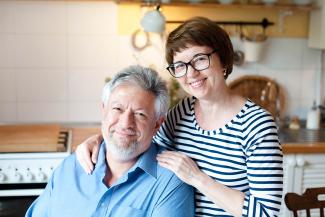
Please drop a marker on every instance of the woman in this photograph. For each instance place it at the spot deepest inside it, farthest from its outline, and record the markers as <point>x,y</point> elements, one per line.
<point>225,146</point>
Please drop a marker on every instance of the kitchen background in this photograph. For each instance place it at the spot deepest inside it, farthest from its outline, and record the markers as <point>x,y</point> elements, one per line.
<point>56,55</point>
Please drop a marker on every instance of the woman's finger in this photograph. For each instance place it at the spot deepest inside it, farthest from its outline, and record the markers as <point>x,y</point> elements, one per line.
<point>85,163</point>
<point>94,153</point>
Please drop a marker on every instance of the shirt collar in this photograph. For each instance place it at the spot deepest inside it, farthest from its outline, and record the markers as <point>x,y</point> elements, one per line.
<point>147,161</point>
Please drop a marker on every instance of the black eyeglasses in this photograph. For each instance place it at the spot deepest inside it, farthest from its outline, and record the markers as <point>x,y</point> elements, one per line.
<point>199,62</point>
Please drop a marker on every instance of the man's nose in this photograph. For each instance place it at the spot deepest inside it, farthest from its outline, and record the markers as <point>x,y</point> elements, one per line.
<point>127,119</point>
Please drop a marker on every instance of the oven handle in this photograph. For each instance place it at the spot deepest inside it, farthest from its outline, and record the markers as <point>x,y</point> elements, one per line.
<point>21,192</point>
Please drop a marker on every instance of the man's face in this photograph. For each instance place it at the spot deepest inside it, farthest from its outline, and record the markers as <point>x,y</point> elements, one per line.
<point>129,122</point>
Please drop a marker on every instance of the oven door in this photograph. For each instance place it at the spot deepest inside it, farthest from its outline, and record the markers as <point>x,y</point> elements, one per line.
<point>16,198</point>
<point>15,206</point>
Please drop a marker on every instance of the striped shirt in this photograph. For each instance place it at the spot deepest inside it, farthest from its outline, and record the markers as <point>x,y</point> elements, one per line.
<point>245,154</point>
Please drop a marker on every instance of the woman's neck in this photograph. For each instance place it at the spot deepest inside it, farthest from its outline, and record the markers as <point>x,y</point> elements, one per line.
<point>212,114</point>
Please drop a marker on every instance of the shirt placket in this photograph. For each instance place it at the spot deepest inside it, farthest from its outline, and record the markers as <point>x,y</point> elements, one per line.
<point>105,204</point>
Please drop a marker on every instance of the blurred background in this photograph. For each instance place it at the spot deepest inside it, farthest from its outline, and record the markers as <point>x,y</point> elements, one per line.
<point>56,55</point>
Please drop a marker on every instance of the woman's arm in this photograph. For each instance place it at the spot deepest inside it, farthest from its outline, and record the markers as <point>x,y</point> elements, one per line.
<point>87,152</point>
<point>186,169</point>
<point>264,177</point>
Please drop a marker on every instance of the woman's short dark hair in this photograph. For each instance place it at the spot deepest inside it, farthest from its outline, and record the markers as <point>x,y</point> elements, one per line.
<point>202,32</point>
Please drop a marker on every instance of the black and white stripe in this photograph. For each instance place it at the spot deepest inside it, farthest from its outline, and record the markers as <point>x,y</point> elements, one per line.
<point>245,154</point>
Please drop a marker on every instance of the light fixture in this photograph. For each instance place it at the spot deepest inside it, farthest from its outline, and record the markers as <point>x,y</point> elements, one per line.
<point>153,21</point>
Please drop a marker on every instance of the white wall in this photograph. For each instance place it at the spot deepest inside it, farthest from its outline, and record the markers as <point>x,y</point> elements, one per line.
<point>55,55</point>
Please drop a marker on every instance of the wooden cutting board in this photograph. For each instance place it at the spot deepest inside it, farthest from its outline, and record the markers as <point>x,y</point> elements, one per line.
<point>80,134</point>
<point>29,138</point>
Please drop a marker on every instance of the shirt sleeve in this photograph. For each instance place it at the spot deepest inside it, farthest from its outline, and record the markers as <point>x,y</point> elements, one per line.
<point>264,172</point>
<point>40,207</point>
<point>179,202</point>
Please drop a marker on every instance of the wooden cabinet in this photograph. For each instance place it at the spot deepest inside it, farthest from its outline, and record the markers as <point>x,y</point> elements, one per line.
<point>289,20</point>
<point>317,26</point>
<point>302,171</point>
<point>214,3</point>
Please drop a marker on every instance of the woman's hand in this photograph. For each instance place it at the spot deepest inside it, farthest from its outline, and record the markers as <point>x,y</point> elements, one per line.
<point>87,152</point>
<point>183,166</point>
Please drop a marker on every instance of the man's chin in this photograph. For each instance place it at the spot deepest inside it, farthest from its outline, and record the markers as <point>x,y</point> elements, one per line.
<point>123,155</point>
<point>123,150</point>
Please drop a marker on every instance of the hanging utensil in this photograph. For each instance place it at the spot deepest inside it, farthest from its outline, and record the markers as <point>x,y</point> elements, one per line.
<point>239,55</point>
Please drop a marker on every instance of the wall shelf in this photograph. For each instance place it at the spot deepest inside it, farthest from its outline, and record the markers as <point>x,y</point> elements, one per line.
<point>288,20</point>
<point>279,6</point>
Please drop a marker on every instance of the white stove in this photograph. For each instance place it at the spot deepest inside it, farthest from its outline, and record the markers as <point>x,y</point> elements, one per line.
<point>26,174</point>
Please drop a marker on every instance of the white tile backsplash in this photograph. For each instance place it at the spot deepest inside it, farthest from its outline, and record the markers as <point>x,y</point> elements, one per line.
<point>8,112</point>
<point>284,53</point>
<point>42,112</point>
<point>308,84</point>
<point>87,84</point>
<point>85,111</point>
<point>7,50</point>
<point>42,51</point>
<point>127,55</point>
<point>92,18</point>
<point>7,24</point>
<point>310,58</point>
<point>91,51</point>
<point>7,85</point>
<point>41,85</point>
<point>40,17</point>
<point>55,56</point>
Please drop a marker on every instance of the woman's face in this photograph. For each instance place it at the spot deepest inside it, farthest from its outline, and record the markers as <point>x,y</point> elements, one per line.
<point>201,84</point>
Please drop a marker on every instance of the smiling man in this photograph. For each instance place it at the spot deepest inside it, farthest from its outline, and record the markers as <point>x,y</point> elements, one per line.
<point>126,181</point>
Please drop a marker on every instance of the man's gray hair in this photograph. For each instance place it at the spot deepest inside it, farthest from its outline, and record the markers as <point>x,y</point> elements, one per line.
<point>146,78</point>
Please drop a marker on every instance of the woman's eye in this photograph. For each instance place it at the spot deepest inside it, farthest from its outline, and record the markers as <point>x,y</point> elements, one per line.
<point>200,58</point>
<point>179,67</point>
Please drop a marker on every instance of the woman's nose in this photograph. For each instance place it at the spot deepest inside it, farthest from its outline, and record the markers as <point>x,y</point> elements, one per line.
<point>192,72</point>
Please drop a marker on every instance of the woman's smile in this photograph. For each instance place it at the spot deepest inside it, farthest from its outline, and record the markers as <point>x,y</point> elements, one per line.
<point>198,83</point>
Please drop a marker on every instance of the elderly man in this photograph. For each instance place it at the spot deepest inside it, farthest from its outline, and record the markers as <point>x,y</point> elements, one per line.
<point>127,181</point>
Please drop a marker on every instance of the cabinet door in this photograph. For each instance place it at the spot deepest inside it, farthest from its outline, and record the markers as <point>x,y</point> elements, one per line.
<point>289,164</point>
<point>309,172</point>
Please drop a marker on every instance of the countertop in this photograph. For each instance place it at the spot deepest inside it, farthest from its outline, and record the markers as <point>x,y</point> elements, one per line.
<point>302,141</point>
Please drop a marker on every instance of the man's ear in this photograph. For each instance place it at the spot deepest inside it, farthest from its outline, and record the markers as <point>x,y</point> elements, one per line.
<point>159,123</point>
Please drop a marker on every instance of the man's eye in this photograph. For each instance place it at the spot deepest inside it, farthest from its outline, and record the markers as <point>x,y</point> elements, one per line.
<point>117,109</point>
<point>141,115</point>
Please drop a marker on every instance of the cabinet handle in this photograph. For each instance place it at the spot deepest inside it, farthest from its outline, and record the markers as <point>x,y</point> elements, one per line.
<point>301,162</point>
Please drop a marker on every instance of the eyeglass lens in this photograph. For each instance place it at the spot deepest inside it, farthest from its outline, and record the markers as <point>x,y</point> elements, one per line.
<point>200,62</point>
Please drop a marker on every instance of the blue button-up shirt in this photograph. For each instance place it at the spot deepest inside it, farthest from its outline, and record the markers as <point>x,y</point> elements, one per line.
<point>146,189</point>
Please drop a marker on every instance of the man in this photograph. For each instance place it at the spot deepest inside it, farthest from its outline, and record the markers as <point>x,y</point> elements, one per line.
<point>126,181</point>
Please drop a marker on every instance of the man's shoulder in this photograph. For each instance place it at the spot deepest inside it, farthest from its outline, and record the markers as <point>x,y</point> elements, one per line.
<point>167,175</point>
<point>67,163</point>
